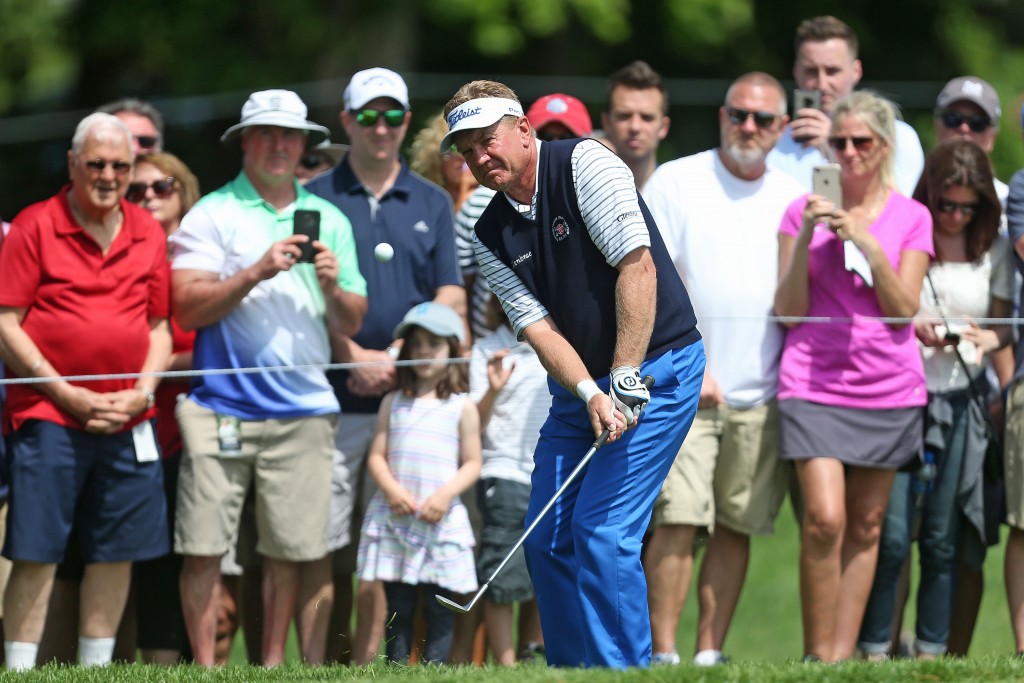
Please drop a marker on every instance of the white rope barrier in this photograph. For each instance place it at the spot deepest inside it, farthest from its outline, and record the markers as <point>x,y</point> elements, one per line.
<point>779,319</point>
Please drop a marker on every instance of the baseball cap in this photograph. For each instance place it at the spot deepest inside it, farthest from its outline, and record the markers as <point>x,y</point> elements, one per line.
<point>433,317</point>
<point>369,84</point>
<point>276,108</point>
<point>564,109</point>
<point>971,89</point>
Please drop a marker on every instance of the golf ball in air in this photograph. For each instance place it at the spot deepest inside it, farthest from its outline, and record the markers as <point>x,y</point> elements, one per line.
<point>384,252</point>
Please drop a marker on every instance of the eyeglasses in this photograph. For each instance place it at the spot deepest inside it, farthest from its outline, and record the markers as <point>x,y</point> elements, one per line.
<point>311,162</point>
<point>861,144</point>
<point>978,123</point>
<point>147,141</point>
<point>99,165</point>
<point>369,117</point>
<point>950,207</point>
<point>738,117</point>
<point>162,189</point>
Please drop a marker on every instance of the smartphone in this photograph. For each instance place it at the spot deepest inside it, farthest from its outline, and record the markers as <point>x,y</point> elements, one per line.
<point>827,183</point>
<point>307,222</point>
<point>806,99</point>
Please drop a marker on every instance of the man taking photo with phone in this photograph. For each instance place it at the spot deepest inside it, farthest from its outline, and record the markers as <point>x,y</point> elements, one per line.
<point>237,281</point>
<point>826,61</point>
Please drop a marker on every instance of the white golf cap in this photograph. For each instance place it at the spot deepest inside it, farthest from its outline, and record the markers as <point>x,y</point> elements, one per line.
<point>433,317</point>
<point>281,108</point>
<point>369,84</point>
<point>478,113</point>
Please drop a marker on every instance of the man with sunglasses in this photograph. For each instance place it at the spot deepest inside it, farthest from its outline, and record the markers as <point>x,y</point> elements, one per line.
<point>388,205</point>
<point>826,61</point>
<point>144,121</point>
<point>719,211</point>
<point>85,293</point>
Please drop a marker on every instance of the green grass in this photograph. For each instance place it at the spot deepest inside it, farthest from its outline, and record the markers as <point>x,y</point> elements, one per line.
<point>974,669</point>
<point>767,623</point>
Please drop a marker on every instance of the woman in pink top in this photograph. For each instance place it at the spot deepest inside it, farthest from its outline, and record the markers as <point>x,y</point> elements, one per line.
<point>851,387</point>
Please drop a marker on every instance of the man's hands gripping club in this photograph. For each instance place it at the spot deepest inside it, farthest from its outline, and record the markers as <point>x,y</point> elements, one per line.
<point>620,408</point>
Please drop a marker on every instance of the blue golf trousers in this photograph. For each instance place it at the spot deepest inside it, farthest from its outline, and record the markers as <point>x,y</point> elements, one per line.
<point>584,556</point>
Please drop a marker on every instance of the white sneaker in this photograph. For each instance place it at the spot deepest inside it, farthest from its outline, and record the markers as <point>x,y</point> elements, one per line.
<point>665,659</point>
<point>710,658</point>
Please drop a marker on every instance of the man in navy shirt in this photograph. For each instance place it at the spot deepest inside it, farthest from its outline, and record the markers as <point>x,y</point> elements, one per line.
<point>582,273</point>
<point>405,240</point>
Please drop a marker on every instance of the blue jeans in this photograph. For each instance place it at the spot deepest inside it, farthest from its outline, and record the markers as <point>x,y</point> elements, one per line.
<point>938,541</point>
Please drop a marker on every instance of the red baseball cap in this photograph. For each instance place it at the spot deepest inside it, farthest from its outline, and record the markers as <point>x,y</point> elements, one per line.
<point>564,109</point>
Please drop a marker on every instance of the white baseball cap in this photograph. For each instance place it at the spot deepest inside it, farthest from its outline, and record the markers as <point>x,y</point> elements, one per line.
<point>438,318</point>
<point>369,84</point>
<point>281,108</point>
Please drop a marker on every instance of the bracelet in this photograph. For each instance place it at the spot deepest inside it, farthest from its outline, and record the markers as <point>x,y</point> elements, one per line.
<point>587,389</point>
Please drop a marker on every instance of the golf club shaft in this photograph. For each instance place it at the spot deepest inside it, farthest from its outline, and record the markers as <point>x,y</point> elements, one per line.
<point>648,381</point>
<point>540,516</point>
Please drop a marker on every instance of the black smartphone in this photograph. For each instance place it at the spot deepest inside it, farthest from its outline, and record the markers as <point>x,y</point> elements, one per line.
<point>307,222</point>
<point>806,99</point>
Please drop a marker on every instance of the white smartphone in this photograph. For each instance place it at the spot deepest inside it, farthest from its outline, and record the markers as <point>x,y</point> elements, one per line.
<point>827,183</point>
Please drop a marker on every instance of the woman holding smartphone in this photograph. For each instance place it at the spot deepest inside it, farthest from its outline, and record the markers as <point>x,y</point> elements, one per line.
<point>851,387</point>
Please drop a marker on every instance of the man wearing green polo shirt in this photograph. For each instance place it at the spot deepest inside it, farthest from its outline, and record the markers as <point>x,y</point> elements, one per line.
<point>238,280</point>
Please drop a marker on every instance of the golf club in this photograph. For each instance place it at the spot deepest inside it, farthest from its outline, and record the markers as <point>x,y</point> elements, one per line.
<point>648,381</point>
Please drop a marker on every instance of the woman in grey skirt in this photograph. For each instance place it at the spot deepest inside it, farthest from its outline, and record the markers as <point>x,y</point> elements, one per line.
<point>851,382</point>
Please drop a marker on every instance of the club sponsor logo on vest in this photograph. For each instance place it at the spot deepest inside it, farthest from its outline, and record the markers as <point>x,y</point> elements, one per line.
<point>522,258</point>
<point>560,229</point>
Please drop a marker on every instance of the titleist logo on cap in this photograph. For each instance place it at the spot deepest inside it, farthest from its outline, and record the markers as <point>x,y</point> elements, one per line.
<point>460,114</point>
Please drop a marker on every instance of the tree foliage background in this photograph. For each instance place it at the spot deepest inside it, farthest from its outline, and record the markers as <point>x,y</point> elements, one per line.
<point>198,60</point>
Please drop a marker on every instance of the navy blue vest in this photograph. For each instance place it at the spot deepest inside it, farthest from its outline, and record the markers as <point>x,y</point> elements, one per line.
<point>560,265</point>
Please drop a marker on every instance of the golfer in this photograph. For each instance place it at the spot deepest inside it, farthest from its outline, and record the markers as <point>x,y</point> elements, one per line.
<point>582,273</point>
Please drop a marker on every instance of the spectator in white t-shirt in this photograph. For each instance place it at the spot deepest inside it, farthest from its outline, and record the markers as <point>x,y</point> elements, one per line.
<point>719,212</point>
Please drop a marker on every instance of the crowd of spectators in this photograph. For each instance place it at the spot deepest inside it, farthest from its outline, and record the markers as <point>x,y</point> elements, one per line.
<point>881,399</point>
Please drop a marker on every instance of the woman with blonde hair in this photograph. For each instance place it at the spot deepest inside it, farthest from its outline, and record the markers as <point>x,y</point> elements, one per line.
<point>851,385</point>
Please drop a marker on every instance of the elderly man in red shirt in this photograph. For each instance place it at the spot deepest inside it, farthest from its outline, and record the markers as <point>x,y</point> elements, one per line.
<point>86,292</point>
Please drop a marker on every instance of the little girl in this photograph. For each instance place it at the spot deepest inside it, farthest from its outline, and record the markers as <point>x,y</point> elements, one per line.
<point>416,535</point>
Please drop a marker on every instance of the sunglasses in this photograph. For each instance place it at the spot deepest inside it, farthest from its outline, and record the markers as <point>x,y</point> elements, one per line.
<point>860,144</point>
<point>369,117</point>
<point>966,210</point>
<point>162,189</point>
<point>738,117</point>
<point>147,141</point>
<point>978,123</point>
<point>311,162</point>
<point>99,165</point>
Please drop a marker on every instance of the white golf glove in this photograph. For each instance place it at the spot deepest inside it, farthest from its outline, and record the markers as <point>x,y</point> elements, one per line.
<point>628,393</point>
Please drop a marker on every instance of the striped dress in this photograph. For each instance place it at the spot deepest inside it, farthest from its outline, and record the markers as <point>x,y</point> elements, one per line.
<point>423,454</point>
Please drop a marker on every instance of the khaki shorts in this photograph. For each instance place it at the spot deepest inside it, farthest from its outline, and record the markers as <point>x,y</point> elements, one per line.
<point>1013,455</point>
<point>288,460</point>
<point>727,472</point>
<point>351,488</point>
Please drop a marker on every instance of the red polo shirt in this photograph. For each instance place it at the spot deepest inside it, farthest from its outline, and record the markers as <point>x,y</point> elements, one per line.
<point>87,312</point>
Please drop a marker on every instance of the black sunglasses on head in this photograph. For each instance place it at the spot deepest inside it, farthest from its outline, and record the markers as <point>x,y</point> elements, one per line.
<point>162,189</point>
<point>978,123</point>
<point>369,117</point>
<point>738,117</point>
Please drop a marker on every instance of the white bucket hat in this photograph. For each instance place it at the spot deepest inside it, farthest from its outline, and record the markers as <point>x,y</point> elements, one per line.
<point>276,108</point>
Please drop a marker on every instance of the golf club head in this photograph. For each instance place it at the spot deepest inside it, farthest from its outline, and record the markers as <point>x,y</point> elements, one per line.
<point>450,604</point>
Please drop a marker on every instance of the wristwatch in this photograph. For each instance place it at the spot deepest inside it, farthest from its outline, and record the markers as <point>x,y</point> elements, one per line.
<point>150,397</point>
